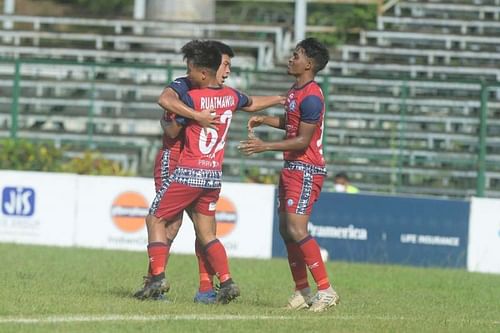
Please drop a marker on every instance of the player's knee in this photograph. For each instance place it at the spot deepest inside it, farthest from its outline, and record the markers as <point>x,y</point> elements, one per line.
<point>172,229</point>
<point>149,220</point>
<point>297,233</point>
<point>284,232</point>
<point>152,220</point>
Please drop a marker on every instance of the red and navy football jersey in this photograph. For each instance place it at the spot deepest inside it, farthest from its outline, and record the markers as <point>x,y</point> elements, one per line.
<point>200,163</point>
<point>181,86</point>
<point>305,104</point>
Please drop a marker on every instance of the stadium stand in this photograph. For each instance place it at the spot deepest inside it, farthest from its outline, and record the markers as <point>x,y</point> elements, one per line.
<point>51,34</point>
<point>405,104</point>
<point>411,90</point>
<point>101,86</point>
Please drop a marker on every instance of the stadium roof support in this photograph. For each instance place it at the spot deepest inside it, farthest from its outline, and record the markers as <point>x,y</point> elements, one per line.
<point>300,20</point>
<point>8,8</point>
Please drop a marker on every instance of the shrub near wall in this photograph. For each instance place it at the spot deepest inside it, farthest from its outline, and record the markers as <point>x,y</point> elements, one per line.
<point>24,155</point>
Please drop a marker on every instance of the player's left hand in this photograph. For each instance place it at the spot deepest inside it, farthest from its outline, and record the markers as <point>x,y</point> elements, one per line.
<point>251,146</point>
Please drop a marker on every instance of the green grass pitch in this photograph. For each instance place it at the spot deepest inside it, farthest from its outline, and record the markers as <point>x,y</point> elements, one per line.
<point>50,289</point>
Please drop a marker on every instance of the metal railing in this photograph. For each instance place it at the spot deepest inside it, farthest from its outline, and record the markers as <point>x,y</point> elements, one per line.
<point>395,139</point>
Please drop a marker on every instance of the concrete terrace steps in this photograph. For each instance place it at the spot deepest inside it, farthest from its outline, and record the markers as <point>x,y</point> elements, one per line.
<point>454,26</point>
<point>394,70</point>
<point>448,9</point>
<point>421,56</point>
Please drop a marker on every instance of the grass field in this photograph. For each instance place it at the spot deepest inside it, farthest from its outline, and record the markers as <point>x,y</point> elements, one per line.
<point>47,289</point>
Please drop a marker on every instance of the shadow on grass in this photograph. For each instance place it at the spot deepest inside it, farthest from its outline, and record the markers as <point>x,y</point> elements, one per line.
<point>122,292</point>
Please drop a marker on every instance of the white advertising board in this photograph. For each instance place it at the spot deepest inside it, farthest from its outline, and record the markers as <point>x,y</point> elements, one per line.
<point>111,212</point>
<point>37,207</point>
<point>484,236</point>
<point>244,215</point>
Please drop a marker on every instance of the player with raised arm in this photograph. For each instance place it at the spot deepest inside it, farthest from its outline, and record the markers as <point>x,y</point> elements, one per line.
<point>167,158</point>
<point>303,173</point>
<point>165,162</point>
<point>196,180</point>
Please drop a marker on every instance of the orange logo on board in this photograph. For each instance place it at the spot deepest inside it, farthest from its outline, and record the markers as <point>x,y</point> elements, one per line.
<point>226,216</point>
<point>129,210</point>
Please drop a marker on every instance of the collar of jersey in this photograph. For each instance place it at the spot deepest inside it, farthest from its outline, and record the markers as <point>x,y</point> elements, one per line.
<point>305,85</point>
<point>215,88</point>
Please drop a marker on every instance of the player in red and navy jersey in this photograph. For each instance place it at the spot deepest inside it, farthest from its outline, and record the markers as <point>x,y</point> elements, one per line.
<point>165,162</point>
<point>196,180</point>
<point>303,173</point>
<point>168,156</point>
<point>198,173</point>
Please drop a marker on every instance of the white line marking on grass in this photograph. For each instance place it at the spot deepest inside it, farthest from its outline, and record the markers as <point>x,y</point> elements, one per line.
<point>206,317</point>
<point>86,318</point>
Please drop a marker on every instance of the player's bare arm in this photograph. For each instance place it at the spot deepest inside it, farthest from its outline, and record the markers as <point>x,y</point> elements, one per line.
<point>300,142</point>
<point>258,103</point>
<point>273,121</point>
<point>169,100</point>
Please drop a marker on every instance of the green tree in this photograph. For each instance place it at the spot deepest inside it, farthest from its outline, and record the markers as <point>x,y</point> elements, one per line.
<point>345,18</point>
<point>102,8</point>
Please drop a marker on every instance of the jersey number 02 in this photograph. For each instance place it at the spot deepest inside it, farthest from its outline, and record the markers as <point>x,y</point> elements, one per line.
<point>210,136</point>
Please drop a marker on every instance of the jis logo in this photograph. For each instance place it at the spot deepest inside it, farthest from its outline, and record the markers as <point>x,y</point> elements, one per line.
<point>293,105</point>
<point>18,201</point>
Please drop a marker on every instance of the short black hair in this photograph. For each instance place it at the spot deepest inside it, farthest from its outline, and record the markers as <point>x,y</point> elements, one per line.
<point>342,175</point>
<point>316,51</point>
<point>223,48</point>
<point>202,54</point>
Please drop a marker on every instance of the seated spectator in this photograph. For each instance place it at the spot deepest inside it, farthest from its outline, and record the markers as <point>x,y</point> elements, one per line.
<point>342,184</point>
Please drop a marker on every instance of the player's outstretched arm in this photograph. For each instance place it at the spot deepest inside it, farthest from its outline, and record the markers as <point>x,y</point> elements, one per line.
<point>273,121</point>
<point>259,103</point>
<point>169,100</point>
<point>300,142</point>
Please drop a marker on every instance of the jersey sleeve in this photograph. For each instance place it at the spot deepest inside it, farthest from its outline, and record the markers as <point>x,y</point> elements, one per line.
<point>310,109</point>
<point>180,85</point>
<point>186,99</point>
<point>243,99</point>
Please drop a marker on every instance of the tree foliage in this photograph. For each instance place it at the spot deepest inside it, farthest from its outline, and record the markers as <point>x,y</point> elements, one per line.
<point>344,17</point>
<point>107,8</point>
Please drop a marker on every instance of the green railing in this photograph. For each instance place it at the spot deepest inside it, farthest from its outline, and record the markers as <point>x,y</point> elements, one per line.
<point>480,163</point>
<point>17,63</point>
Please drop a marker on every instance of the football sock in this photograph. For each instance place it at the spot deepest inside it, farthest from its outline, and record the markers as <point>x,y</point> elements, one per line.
<point>169,243</point>
<point>216,255</point>
<point>312,257</point>
<point>158,255</point>
<point>297,265</point>
<point>206,272</point>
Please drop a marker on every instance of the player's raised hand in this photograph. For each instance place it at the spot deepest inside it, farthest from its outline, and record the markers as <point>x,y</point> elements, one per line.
<point>251,146</point>
<point>254,121</point>
<point>207,118</point>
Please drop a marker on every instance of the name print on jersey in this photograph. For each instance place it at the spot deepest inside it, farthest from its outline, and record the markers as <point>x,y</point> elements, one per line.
<point>217,102</point>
